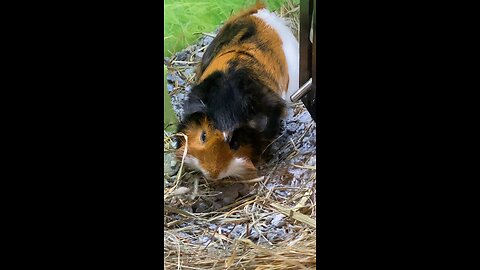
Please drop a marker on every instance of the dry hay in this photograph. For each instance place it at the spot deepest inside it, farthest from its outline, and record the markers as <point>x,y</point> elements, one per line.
<point>272,227</point>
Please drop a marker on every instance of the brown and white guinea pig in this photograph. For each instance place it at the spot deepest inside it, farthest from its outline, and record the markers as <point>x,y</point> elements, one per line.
<point>238,100</point>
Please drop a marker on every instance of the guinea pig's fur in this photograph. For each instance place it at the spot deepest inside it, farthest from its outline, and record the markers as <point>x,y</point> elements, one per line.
<point>237,103</point>
<point>209,153</point>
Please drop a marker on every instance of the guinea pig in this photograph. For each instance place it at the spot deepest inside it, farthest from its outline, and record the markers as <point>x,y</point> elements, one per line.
<point>243,81</point>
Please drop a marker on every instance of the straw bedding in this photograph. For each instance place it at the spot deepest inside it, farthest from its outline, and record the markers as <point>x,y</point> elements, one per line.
<point>263,223</point>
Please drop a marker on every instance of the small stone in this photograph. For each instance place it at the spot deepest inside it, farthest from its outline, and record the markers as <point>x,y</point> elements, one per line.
<point>183,235</point>
<point>269,219</point>
<point>168,157</point>
<point>254,234</point>
<point>207,40</point>
<point>276,235</point>
<point>192,48</point>
<point>173,163</point>
<point>237,231</point>
<point>181,56</point>
<point>180,81</point>
<point>278,220</point>
<point>189,71</point>
<point>188,209</point>
<point>199,55</point>
<point>224,230</point>
<point>170,78</point>
<point>203,239</point>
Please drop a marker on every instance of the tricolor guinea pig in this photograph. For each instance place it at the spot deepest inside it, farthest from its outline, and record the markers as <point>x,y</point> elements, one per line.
<point>244,79</point>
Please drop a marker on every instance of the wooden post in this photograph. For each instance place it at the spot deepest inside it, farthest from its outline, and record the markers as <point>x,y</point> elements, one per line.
<point>308,53</point>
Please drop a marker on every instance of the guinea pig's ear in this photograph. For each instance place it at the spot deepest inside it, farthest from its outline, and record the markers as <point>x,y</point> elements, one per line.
<point>200,97</point>
<point>197,100</point>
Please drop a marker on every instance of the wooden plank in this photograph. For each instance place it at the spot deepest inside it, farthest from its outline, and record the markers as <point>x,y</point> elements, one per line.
<point>312,95</point>
<point>305,45</point>
<point>308,53</point>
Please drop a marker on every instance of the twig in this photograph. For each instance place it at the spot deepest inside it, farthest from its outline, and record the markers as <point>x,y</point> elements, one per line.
<point>271,144</point>
<point>255,180</point>
<point>295,215</point>
<point>205,34</point>
<point>185,62</point>
<point>183,160</point>
<point>195,188</point>
<point>305,167</point>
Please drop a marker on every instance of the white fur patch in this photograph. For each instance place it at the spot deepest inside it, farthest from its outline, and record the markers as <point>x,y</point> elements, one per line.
<point>236,168</point>
<point>290,48</point>
<point>193,163</point>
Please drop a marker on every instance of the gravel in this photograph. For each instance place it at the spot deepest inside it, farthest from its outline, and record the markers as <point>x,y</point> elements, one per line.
<point>278,220</point>
<point>296,146</point>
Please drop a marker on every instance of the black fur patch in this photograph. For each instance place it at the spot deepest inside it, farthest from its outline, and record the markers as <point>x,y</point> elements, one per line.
<point>230,100</point>
<point>227,36</point>
<point>249,136</point>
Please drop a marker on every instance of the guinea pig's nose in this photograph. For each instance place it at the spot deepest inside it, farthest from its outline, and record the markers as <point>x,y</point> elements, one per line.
<point>227,136</point>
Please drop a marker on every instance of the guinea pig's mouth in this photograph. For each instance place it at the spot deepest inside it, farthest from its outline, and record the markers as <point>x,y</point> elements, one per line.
<point>237,169</point>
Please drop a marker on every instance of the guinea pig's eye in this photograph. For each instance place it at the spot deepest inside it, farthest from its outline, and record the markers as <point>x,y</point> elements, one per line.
<point>203,136</point>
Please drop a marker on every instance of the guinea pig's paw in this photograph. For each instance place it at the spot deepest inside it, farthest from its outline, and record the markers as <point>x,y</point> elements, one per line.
<point>228,194</point>
<point>216,206</point>
<point>250,171</point>
<point>243,189</point>
<point>231,193</point>
<point>200,207</point>
<point>229,198</point>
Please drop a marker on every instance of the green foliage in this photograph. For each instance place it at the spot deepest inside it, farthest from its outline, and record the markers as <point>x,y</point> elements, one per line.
<point>183,18</point>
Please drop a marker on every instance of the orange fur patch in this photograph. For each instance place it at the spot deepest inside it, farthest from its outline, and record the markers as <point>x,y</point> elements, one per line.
<point>214,155</point>
<point>270,66</point>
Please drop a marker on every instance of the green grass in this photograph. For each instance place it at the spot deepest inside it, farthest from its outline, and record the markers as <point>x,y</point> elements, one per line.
<point>183,18</point>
